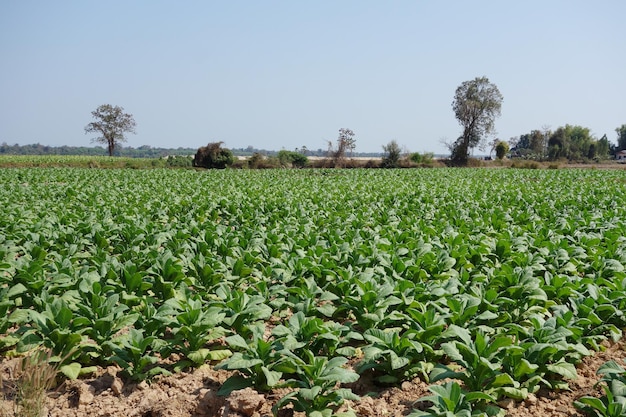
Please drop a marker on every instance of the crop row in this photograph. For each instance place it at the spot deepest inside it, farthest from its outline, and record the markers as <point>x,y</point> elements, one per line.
<point>501,279</point>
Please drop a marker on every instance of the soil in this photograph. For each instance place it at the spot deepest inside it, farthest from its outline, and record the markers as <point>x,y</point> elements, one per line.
<point>194,394</point>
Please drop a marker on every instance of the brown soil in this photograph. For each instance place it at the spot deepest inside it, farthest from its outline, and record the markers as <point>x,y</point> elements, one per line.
<point>194,395</point>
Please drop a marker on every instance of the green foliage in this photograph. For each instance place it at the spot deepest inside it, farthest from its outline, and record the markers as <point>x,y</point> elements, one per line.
<point>134,353</point>
<point>392,153</point>
<point>290,159</point>
<point>613,402</point>
<point>450,400</point>
<point>476,105</point>
<point>531,145</point>
<point>316,393</point>
<point>260,363</point>
<point>502,148</point>
<point>426,158</point>
<point>505,279</point>
<point>397,357</point>
<point>111,123</point>
<point>213,156</point>
<point>621,137</point>
<point>575,143</point>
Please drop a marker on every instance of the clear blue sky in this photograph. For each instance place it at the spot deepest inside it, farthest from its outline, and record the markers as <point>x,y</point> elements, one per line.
<point>283,74</point>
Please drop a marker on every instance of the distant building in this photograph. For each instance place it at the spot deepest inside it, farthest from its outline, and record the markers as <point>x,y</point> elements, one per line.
<point>621,156</point>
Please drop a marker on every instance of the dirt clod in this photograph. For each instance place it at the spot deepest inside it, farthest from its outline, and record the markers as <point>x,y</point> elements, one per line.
<point>245,401</point>
<point>117,386</point>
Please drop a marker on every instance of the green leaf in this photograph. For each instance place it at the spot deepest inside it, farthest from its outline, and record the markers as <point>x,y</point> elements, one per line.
<point>202,355</point>
<point>502,380</point>
<point>442,372</point>
<point>237,361</point>
<point>592,403</point>
<point>309,394</point>
<point>610,367</point>
<point>20,316</point>
<point>234,383</point>
<point>324,413</point>
<point>515,393</point>
<point>456,332</point>
<point>566,370</point>
<point>272,377</point>
<point>16,289</point>
<point>327,310</point>
<point>237,341</point>
<point>72,370</point>
<point>524,368</point>
<point>475,396</point>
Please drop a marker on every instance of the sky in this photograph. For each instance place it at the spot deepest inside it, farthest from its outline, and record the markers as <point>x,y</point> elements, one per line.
<point>286,74</point>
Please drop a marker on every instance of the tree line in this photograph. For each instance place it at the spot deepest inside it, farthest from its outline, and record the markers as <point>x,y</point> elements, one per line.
<point>476,105</point>
<point>569,142</point>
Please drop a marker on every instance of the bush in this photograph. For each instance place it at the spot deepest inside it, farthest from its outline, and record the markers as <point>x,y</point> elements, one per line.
<point>179,161</point>
<point>391,158</point>
<point>213,156</point>
<point>425,159</point>
<point>525,165</point>
<point>259,161</point>
<point>292,159</point>
<point>502,148</point>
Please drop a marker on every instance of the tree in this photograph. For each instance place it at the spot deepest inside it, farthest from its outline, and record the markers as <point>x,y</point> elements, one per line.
<point>502,148</point>
<point>213,156</point>
<point>345,142</point>
<point>603,148</point>
<point>621,137</point>
<point>573,143</point>
<point>111,123</point>
<point>476,105</point>
<point>391,158</point>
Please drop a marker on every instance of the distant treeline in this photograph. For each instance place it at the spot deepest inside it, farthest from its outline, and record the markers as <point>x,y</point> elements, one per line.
<point>146,151</point>
<point>129,152</point>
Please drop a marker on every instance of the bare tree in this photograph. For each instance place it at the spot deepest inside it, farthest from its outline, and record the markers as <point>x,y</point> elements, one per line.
<point>111,122</point>
<point>345,142</point>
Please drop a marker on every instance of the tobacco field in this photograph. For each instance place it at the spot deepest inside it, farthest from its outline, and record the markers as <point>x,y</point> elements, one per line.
<point>486,283</point>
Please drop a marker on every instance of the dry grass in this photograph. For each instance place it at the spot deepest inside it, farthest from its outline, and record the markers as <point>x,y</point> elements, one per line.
<point>32,377</point>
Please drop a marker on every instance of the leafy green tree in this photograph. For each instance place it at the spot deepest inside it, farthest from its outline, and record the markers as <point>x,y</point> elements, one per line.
<point>213,156</point>
<point>111,123</point>
<point>392,153</point>
<point>502,148</point>
<point>558,145</point>
<point>572,143</point>
<point>603,147</point>
<point>537,142</point>
<point>476,105</point>
<point>621,137</point>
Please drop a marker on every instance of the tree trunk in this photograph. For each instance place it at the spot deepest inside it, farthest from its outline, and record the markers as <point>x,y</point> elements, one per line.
<point>111,143</point>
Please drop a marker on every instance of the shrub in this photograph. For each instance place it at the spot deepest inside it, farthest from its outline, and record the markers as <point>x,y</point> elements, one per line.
<point>260,161</point>
<point>213,156</point>
<point>292,159</point>
<point>502,148</point>
<point>391,158</point>
<point>425,160</point>
<point>179,161</point>
<point>525,165</point>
